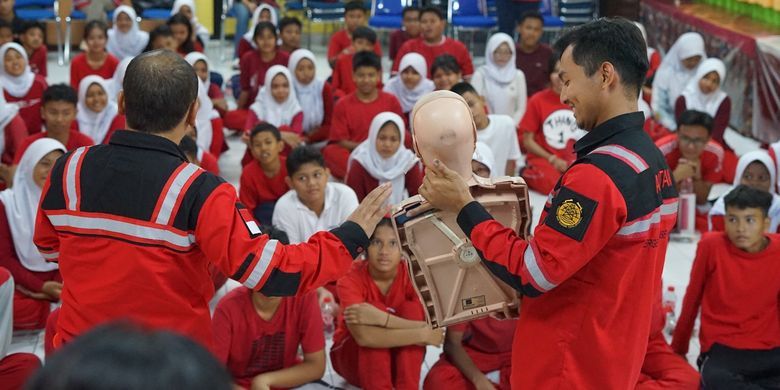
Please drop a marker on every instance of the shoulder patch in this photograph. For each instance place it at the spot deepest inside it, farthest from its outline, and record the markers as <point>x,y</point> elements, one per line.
<point>249,221</point>
<point>571,213</point>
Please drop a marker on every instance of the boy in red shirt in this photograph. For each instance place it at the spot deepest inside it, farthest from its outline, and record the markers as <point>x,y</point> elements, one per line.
<point>381,337</point>
<point>734,281</point>
<point>341,41</point>
<point>31,38</point>
<point>262,180</point>
<point>432,43</point>
<point>363,39</point>
<point>353,113</point>
<point>532,56</point>
<point>410,29</point>
<point>290,33</point>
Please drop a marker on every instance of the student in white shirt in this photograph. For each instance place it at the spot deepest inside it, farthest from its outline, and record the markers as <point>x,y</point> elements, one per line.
<point>499,81</point>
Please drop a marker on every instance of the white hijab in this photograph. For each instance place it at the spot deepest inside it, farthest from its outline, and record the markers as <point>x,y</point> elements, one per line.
<point>203,117</point>
<point>695,99</point>
<point>95,124</point>
<point>119,78</point>
<point>129,44</point>
<point>7,114</point>
<point>650,50</point>
<point>484,155</point>
<point>408,97</point>
<point>310,95</point>
<point>392,169</point>
<point>268,109</point>
<point>21,205</point>
<point>249,36</point>
<point>196,56</point>
<point>16,86</point>
<point>671,74</point>
<point>197,28</point>
<point>498,77</point>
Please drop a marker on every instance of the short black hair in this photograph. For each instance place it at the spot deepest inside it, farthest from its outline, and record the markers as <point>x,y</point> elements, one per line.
<point>432,10</point>
<point>262,26</point>
<point>354,6</point>
<point>363,32</point>
<point>159,89</point>
<point>446,63</point>
<point>408,9</point>
<point>127,356</point>
<point>60,93</point>
<point>275,233</point>
<point>95,25</point>
<point>367,59</point>
<point>189,147</point>
<point>188,46</point>
<point>160,31</point>
<point>552,61</point>
<point>744,197</point>
<point>695,118</point>
<point>265,127</point>
<point>289,21</point>
<point>614,40</point>
<point>463,88</point>
<point>531,15</point>
<point>303,155</point>
<point>31,24</point>
<point>383,222</point>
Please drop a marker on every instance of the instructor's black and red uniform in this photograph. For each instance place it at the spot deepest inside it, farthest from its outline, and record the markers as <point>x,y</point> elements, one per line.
<point>134,227</point>
<point>593,267</point>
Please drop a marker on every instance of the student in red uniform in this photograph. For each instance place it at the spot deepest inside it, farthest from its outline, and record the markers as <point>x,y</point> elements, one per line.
<point>410,84</point>
<point>734,282</point>
<point>314,94</point>
<point>262,180</point>
<point>98,117</point>
<point>353,113</point>
<point>533,56</point>
<point>263,13</point>
<point>196,154</point>
<point>383,158</point>
<point>12,130</point>
<point>31,38</point>
<point>200,33</point>
<point>278,105</point>
<point>410,29</point>
<point>38,282</point>
<point>200,63</point>
<point>341,41</point>
<point>432,43</point>
<point>21,86</point>
<point>445,72</point>
<point>363,40</point>
<point>125,38</point>
<point>161,38</point>
<point>183,34</point>
<point>381,337</point>
<point>703,93</point>
<point>548,130</point>
<point>290,34</point>
<point>96,60</point>
<point>15,368</point>
<point>58,111</point>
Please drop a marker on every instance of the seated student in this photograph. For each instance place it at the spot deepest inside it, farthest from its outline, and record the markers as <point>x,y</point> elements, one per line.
<point>341,41</point>
<point>482,162</point>
<point>98,117</point>
<point>314,94</point>
<point>382,158</point>
<point>381,337</point>
<point>58,111</point>
<point>363,39</point>
<point>255,63</point>
<point>31,38</point>
<point>278,105</point>
<point>755,169</point>
<point>13,131</point>
<point>410,84</point>
<point>15,368</point>
<point>734,282</point>
<point>200,63</point>
<point>432,43</point>
<point>313,203</point>
<point>549,131</point>
<point>290,33</point>
<point>187,8</point>
<point>161,38</point>
<point>653,56</point>
<point>6,32</point>
<point>258,337</point>
<point>353,113</point>
<point>21,86</point>
<point>676,69</point>
<point>263,180</point>
<point>210,127</point>
<point>410,29</point>
<point>96,60</point>
<point>532,56</point>
<point>703,94</point>
<point>248,43</point>
<point>502,85</point>
<point>197,155</point>
<point>183,35</point>
<point>445,72</point>
<point>125,38</point>
<point>38,281</point>
<point>497,131</point>
<point>119,77</point>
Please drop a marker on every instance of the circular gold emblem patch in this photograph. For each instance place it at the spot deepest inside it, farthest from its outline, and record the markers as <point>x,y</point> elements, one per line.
<point>569,213</point>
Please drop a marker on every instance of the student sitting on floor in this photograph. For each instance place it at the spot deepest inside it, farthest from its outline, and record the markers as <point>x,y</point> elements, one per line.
<point>410,29</point>
<point>183,34</point>
<point>125,38</point>
<point>363,39</point>
<point>263,13</point>
<point>502,85</point>
<point>98,117</point>
<point>445,72</point>
<point>341,41</point>
<point>200,63</point>
<point>31,38</point>
<point>532,56</point>
<point>314,94</point>
<point>290,34</point>
<point>278,105</point>
<point>263,180</point>
<point>21,86</point>
<point>96,60</point>
<point>15,368</point>
<point>410,84</point>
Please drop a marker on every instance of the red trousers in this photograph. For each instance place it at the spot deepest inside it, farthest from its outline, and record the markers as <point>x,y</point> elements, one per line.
<point>539,174</point>
<point>336,158</point>
<point>381,368</point>
<point>16,368</point>
<point>51,330</point>
<point>444,375</point>
<point>31,313</point>
<point>664,369</point>
<point>218,144</point>
<point>236,119</point>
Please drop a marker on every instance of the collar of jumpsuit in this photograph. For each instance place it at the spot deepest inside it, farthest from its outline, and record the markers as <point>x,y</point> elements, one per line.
<point>137,139</point>
<point>603,132</point>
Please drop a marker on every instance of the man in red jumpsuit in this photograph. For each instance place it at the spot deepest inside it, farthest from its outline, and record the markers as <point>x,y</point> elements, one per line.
<point>592,270</point>
<point>134,226</point>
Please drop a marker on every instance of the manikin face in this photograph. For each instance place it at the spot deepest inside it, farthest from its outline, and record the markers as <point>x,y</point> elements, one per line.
<point>96,98</point>
<point>43,167</point>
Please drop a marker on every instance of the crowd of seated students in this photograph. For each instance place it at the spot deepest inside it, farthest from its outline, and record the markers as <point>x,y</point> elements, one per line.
<point>316,147</point>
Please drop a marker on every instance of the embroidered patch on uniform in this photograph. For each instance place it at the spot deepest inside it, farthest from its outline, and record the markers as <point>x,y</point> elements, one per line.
<point>249,221</point>
<point>571,213</point>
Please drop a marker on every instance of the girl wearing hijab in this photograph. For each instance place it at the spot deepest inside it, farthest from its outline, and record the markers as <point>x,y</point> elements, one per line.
<point>499,81</point>
<point>21,86</point>
<point>263,13</point>
<point>125,38</point>
<point>184,35</point>
<point>187,8</point>
<point>200,63</point>
<point>210,136</point>
<point>757,170</point>
<point>411,83</point>
<point>14,131</point>
<point>38,282</point>
<point>382,158</point>
<point>314,94</point>
<point>277,104</point>
<point>482,162</point>
<point>653,56</point>
<point>703,94</point>
<point>676,70</point>
<point>98,116</point>
<point>115,84</point>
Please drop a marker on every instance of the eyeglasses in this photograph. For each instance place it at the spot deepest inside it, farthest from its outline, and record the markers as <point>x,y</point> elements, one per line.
<point>692,141</point>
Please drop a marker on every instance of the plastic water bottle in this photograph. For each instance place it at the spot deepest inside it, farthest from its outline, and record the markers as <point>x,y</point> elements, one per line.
<point>329,310</point>
<point>669,306</point>
<point>686,213</point>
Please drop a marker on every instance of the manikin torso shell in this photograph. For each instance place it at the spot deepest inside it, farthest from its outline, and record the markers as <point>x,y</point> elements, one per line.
<point>446,270</point>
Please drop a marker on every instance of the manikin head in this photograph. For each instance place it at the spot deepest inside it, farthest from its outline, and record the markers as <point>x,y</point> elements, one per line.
<point>444,130</point>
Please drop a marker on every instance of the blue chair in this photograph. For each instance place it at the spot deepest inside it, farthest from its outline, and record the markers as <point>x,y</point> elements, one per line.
<point>386,14</point>
<point>293,5</point>
<point>553,25</point>
<point>322,12</point>
<point>471,15</point>
<point>573,12</point>
<point>20,4</point>
<point>156,13</point>
<point>61,11</point>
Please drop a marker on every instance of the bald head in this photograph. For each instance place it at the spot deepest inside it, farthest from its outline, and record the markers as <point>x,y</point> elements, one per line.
<point>159,88</point>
